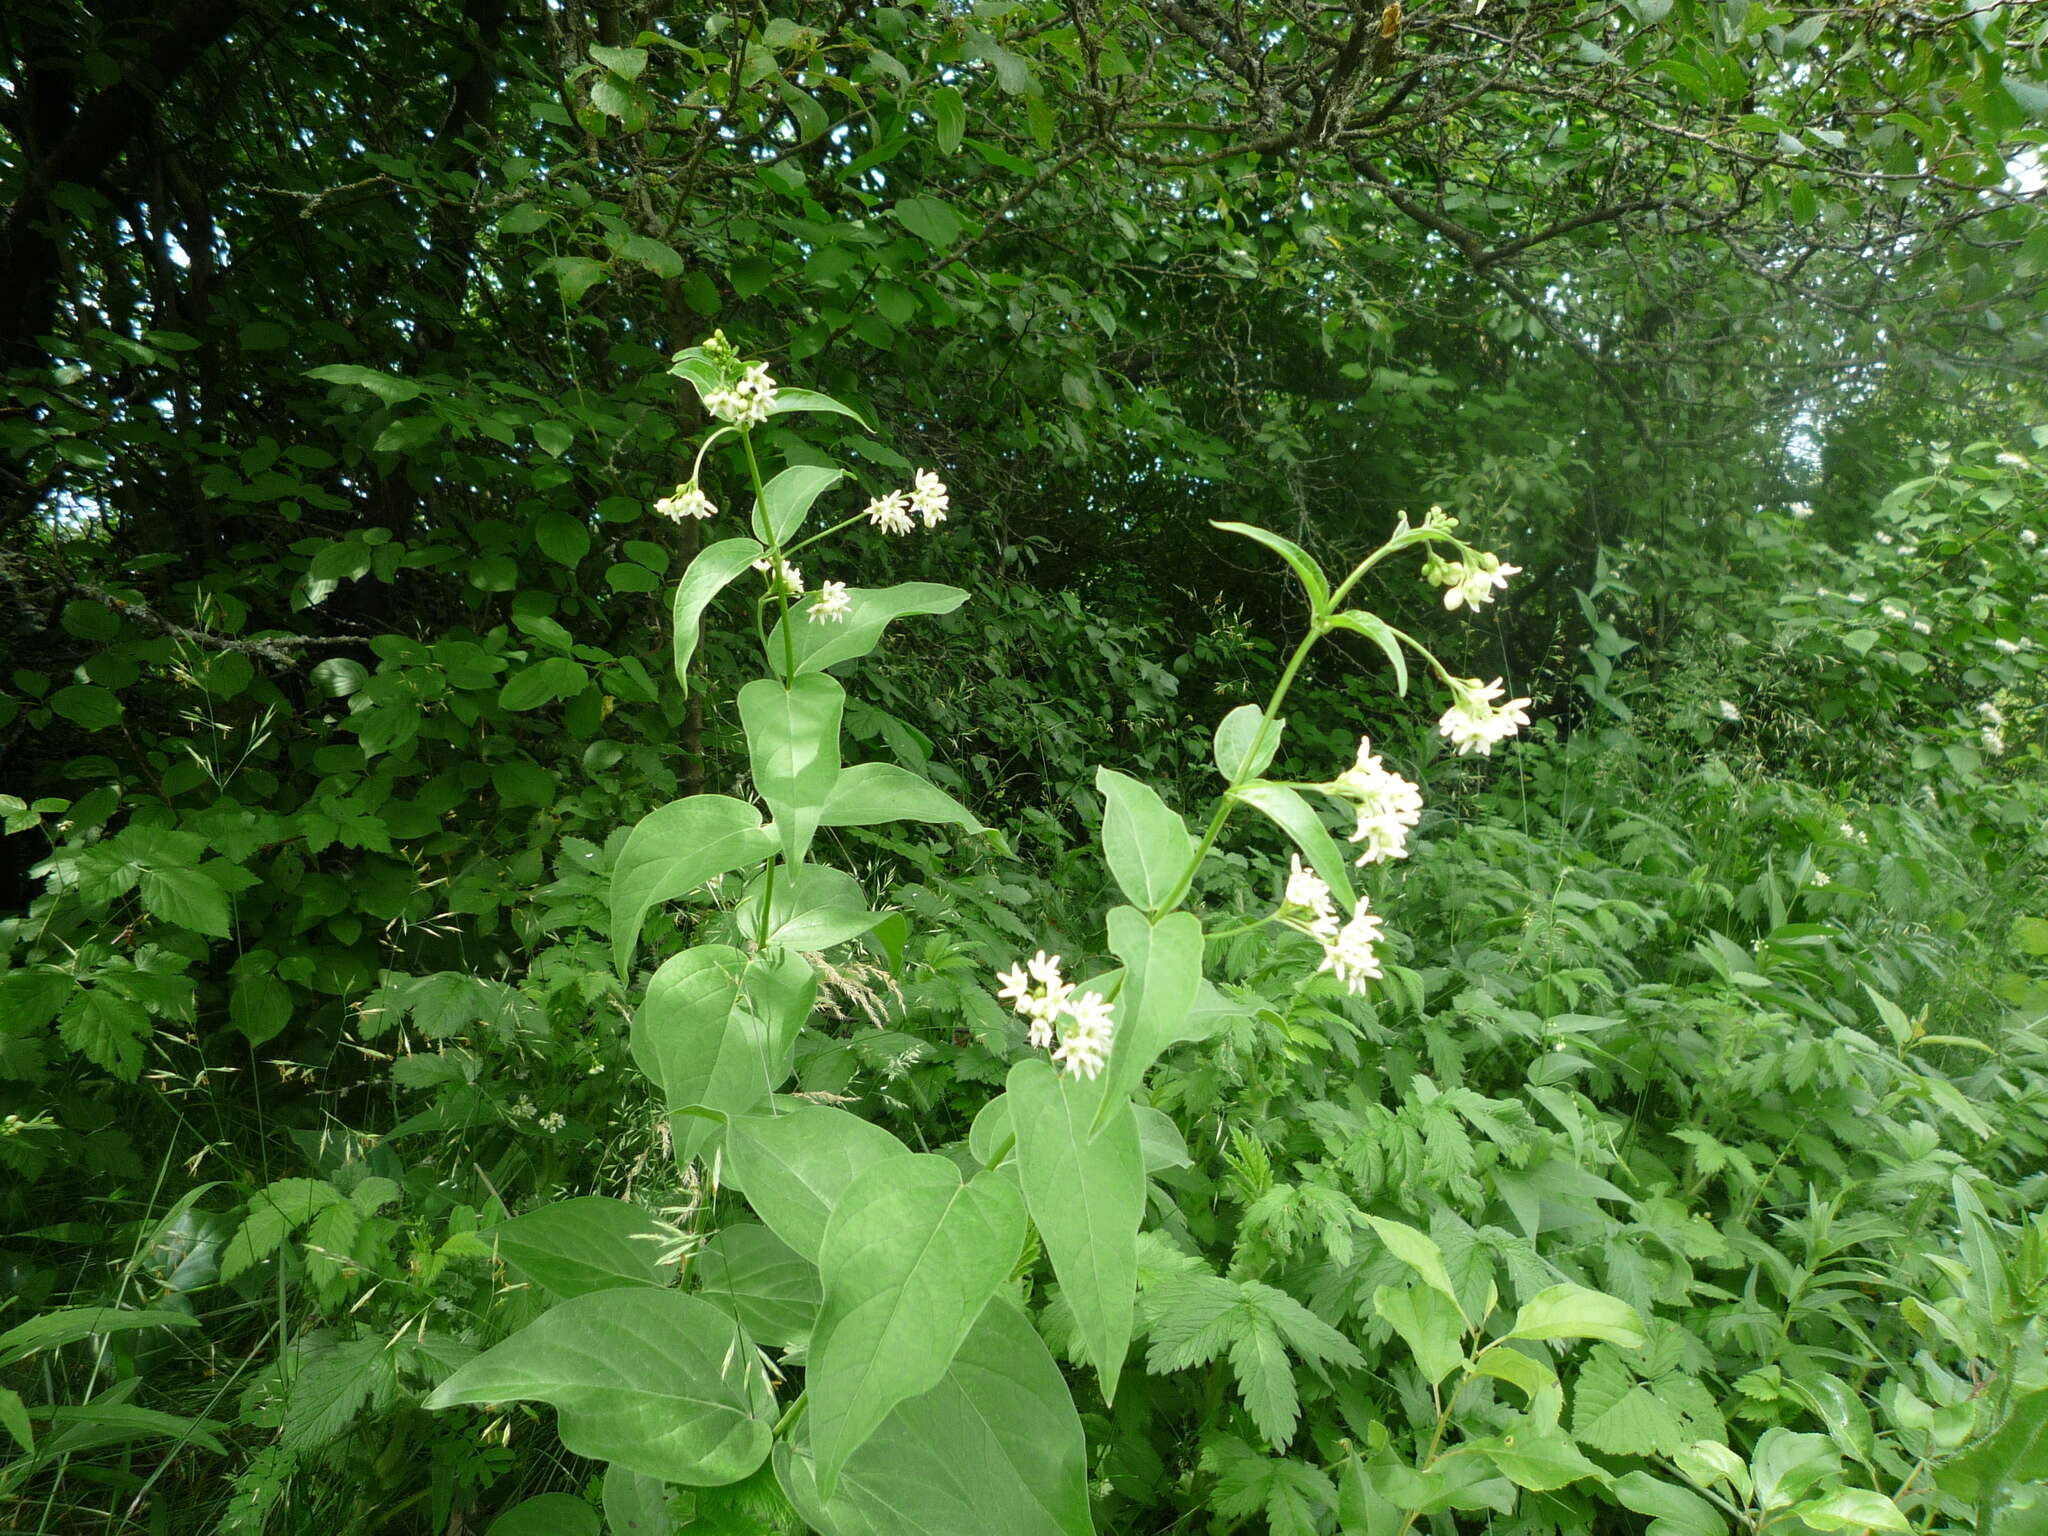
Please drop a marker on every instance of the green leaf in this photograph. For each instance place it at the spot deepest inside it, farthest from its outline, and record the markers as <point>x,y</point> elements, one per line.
<point>636,1504</point>
<point>260,1006</point>
<point>187,898</point>
<point>554,437</point>
<point>658,1381</point>
<point>1538,1461</point>
<point>1418,1250</point>
<point>576,275</point>
<point>51,1330</point>
<point>1241,751</point>
<point>718,1030</point>
<point>1146,844</point>
<point>2017,1451</point>
<point>793,748</point>
<point>1517,1369</point>
<point>998,1433</point>
<point>714,569</point>
<point>87,706</point>
<point>931,219</point>
<point>14,1419</point>
<point>1674,1511</point>
<point>910,1257</point>
<point>810,401</point>
<point>795,1166</point>
<point>386,387</point>
<point>657,256</point>
<point>543,682</point>
<point>949,116</point>
<point>870,611</point>
<point>674,850</point>
<point>875,794</point>
<point>1574,1312</point>
<point>1429,1325</point>
<point>1162,975</point>
<point>1086,1194</point>
<point>575,1247</point>
<point>548,1514</point>
<point>626,63</point>
<point>1375,629</point>
<point>106,1029</point>
<point>1293,815</point>
<point>1852,1509</point>
<point>786,500</point>
<point>814,910</point>
<point>1313,581</point>
<point>771,1288</point>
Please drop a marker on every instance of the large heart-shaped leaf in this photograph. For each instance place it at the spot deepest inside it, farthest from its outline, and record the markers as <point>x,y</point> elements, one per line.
<point>997,1434</point>
<point>1086,1194</point>
<point>794,1166</point>
<point>661,1382</point>
<point>793,747</point>
<point>910,1257</point>
<point>575,1247</point>
<point>718,1030</point>
<point>674,850</point>
<point>771,1288</point>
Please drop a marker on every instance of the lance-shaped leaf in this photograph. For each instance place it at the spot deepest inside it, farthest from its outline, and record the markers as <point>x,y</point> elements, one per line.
<point>1146,843</point>
<point>910,1257</point>
<point>1573,1312</point>
<point>718,1030</point>
<point>786,500</point>
<point>1377,630</point>
<point>788,400</point>
<point>658,1381</point>
<point>674,850</point>
<point>793,747</point>
<point>1162,974</point>
<point>1086,1194</point>
<point>575,1247</point>
<point>709,574</point>
<point>874,794</point>
<point>995,1445</point>
<point>870,610</point>
<point>1313,581</point>
<point>794,1166</point>
<point>1293,815</point>
<point>771,1288</point>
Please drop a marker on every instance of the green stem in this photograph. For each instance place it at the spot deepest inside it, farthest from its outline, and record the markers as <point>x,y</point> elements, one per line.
<point>782,1425</point>
<point>776,560</point>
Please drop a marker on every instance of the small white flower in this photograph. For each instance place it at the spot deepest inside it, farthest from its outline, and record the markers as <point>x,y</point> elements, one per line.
<point>1853,835</point>
<point>928,498</point>
<point>1856,597</point>
<point>2029,538</point>
<point>1085,1039</point>
<point>1388,805</point>
<point>791,578</point>
<point>1921,626</point>
<point>832,605</point>
<point>1801,509</point>
<point>2006,646</point>
<point>1990,713</point>
<point>1820,877</point>
<point>1305,888</point>
<point>891,513</point>
<point>686,501</point>
<point>1730,713</point>
<point>1884,538</point>
<point>1474,723</point>
<point>521,1108</point>
<point>1349,954</point>
<point>1993,739</point>
<point>1470,583</point>
<point>2014,459</point>
<point>552,1121</point>
<point>747,401</point>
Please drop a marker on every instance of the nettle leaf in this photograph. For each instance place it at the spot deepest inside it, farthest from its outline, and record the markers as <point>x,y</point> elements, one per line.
<point>910,1257</point>
<point>1613,1413</point>
<point>793,748</point>
<point>871,610</point>
<point>576,1247</point>
<point>771,1288</point>
<point>998,1433</point>
<point>657,1381</point>
<point>718,1031</point>
<point>875,794</point>
<point>674,850</point>
<point>1146,844</point>
<point>1086,1195</point>
<point>786,500</point>
<point>106,1029</point>
<point>274,1213</point>
<point>1294,1497</point>
<point>187,898</point>
<point>715,568</point>
<point>794,1166</point>
<point>1292,814</point>
<point>1162,977</point>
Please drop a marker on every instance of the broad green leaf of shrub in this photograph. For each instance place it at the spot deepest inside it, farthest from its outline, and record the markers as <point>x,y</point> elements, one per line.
<point>674,850</point>
<point>1292,814</point>
<point>794,1166</point>
<point>1428,1323</point>
<point>786,500</point>
<point>910,1257</point>
<point>1145,842</point>
<point>1539,1461</point>
<point>875,794</point>
<point>575,1247</point>
<point>718,1029</point>
<point>870,611</point>
<point>1673,1511</point>
<point>998,1433</point>
<point>1086,1194</point>
<point>1574,1312</point>
<point>657,1381</point>
<point>1240,751</point>
<point>772,1289</point>
<point>636,1504</point>
<point>1162,977</point>
<point>793,748</point>
<point>187,898</point>
<point>715,568</point>
<point>548,1514</point>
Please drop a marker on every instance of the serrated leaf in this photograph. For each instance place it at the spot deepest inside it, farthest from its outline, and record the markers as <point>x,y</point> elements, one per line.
<point>105,1028</point>
<point>187,898</point>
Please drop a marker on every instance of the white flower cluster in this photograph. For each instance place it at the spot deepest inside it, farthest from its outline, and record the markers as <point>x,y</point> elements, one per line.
<point>2005,647</point>
<point>1348,951</point>
<point>1388,805</point>
<point>747,401</point>
<point>1820,878</point>
<point>791,578</point>
<point>1991,713</point>
<point>1993,739</point>
<point>832,605</point>
<point>1730,713</point>
<point>927,498</point>
<point>1471,583</point>
<point>1474,722</point>
<point>2029,538</point>
<point>1082,1024</point>
<point>686,501</point>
